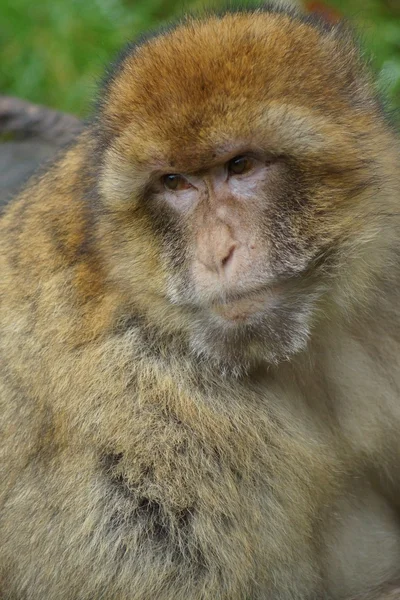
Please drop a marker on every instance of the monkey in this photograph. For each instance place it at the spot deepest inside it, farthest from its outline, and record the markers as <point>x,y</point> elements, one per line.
<point>200,329</point>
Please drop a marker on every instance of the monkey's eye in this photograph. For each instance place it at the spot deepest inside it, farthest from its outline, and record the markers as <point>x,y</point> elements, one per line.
<point>175,182</point>
<point>239,165</point>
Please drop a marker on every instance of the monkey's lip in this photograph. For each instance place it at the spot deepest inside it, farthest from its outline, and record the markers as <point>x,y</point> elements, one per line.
<point>246,306</point>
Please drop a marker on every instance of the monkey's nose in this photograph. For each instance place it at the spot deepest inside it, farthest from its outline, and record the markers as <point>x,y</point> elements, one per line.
<point>217,256</point>
<point>216,248</point>
<point>229,256</point>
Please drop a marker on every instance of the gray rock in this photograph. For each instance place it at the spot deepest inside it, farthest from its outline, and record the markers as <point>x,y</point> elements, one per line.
<point>29,136</point>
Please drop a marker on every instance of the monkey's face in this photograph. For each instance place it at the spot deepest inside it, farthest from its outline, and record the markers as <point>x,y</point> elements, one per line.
<point>233,253</point>
<point>240,146</point>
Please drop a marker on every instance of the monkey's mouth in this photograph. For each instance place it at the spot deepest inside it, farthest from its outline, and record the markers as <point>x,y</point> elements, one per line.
<point>244,307</point>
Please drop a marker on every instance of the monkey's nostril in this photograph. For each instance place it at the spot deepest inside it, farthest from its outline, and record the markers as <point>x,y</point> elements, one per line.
<point>228,257</point>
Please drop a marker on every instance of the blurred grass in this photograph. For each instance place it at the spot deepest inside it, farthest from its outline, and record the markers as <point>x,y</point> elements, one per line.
<point>53,51</point>
<point>379,24</point>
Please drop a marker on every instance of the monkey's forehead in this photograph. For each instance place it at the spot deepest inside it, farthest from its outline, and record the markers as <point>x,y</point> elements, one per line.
<point>227,69</point>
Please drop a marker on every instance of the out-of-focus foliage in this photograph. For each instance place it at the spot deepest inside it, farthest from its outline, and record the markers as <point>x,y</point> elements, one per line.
<point>53,51</point>
<point>379,24</point>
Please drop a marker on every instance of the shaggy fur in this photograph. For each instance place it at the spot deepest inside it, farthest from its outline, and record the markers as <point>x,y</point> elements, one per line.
<point>149,451</point>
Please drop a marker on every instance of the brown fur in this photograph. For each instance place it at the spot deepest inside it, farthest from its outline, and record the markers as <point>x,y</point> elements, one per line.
<point>141,458</point>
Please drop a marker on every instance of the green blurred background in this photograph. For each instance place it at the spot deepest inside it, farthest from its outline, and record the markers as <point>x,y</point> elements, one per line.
<point>53,51</point>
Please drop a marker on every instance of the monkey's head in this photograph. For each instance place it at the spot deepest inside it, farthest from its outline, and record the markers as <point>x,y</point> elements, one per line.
<point>240,163</point>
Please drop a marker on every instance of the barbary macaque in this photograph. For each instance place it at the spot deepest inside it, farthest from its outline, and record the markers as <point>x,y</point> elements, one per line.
<point>200,330</point>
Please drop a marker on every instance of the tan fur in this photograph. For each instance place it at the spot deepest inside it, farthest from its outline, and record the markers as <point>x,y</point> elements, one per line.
<point>135,465</point>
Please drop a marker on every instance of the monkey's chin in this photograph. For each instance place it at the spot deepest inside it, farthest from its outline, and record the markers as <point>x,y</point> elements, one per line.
<point>264,328</point>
